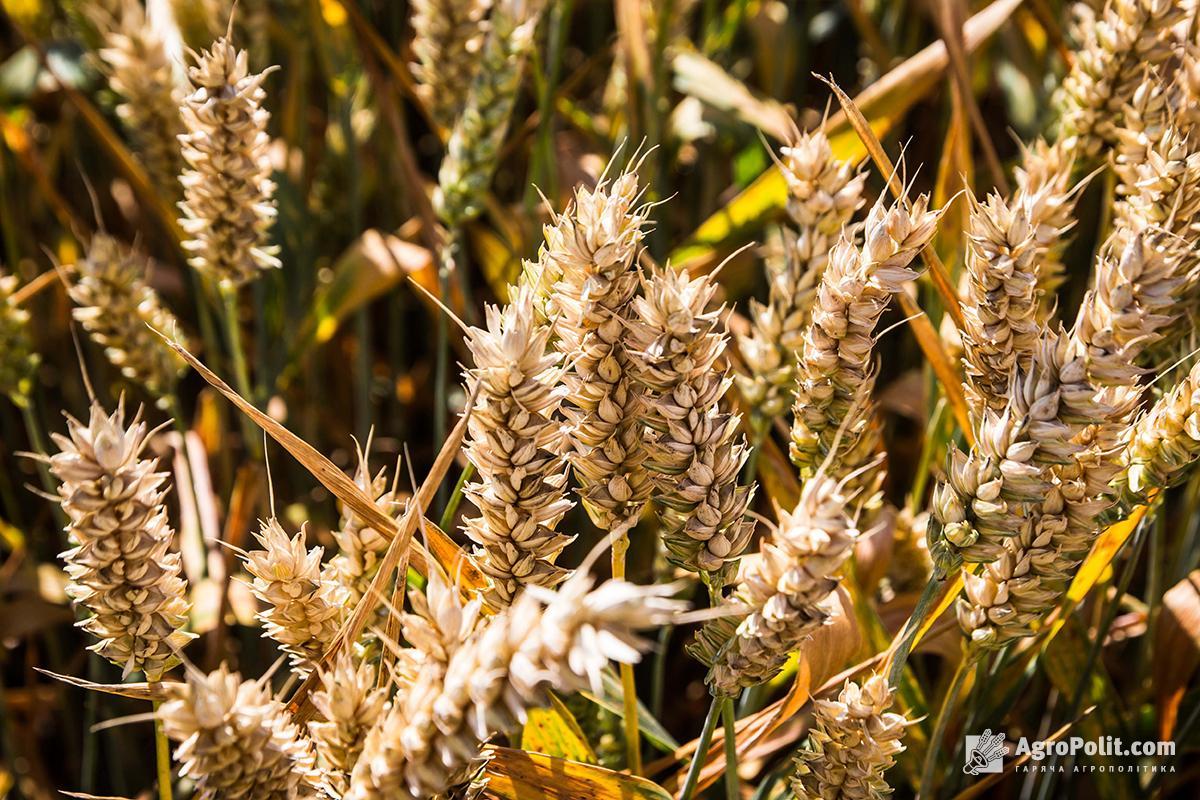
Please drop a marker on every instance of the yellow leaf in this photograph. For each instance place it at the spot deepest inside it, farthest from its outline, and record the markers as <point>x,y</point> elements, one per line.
<point>1102,554</point>
<point>518,775</point>
<point>555,732</point>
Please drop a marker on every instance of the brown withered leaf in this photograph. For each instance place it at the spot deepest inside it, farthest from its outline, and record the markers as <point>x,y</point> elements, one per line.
<point>518,775</point>
<point>1177,645</point>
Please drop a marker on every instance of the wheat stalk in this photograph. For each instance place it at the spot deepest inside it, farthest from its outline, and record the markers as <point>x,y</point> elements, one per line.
<point>143,75</point>
<point>1000,304</point>
<point>236,741</point>
<point>479,130</point>
<point>693,446</point>
<point>303,609</point>
<point>836,371</point>
<point>588,260</point>
<point>1118,44</point>
<point>1027,501</point>
<point>1047,192</point>
<point>431,736</point>
<point>228,205</point>
<point>513,441</point>
<point>121,568</point>
<point>854,741</point>
<point>448,38</point>
<point>122,313</point>
<point>823,194</point>
<point>784,595</point>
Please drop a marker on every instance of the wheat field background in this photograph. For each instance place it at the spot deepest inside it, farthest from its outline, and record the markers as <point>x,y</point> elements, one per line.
<point>549,399</point>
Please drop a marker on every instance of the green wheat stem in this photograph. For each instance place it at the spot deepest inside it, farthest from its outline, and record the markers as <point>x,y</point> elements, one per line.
<point>732,791</point>
<point>706,734</point>
<point>943,721</point>
<point>456,496</point>
<point>162,755</point>
<point>241,375</point>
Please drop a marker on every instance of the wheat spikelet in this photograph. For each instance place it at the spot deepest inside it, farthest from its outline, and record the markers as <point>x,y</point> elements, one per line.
<point>588,259</point>
<point>512,440</point>
<point>784,595</point>
<point>350,704</point>
<point>19,364</point>
<point>121,568</point>
<point>1164,442</point>
<point>694,449</point>
<point>360,546</point>
<point>854,741</point>
<point>823,194</point>
<point>236,742</point>
<point>1000,304</point>
<point>836,373</point>
<point>448,36</point>
<point>430,738</point>
<point>141,73</point>
<point>1027,502</point>
<point>118,309</point>
<point>1047,192</point>
<point>1118,44</point>
<point>1158,182</point>
<point>1133,297</point>
<point>228,204</point>
<point>303,610</point>
<point>478,132</point>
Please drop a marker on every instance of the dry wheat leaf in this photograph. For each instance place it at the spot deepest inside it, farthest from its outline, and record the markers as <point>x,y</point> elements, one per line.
<point>136,691</point>
<point>1177,645</point>
<point>517,775</point>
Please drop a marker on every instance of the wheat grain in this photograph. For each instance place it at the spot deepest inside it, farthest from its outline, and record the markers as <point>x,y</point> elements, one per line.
<point>121,568</point>
<point>479,130</point>
<point>513,441</point>
<point>784,595</point>
<point>1163,443</point>
<point>1046,191</point>
<point>350,703</point>
<point>588,259</point>
<point>360,546</point>
<point>854,741</point>
<point>121,312</point>
<point>1000,304</point>
<point>1027,501</point>
<point>430,738</point>
<point>693,448</point>
<point>141,73</point>
<point>304,610</point>
<point>1118,44</point>
<point>448,37</point>
<point>236,742</point>
<point>823,194</point>
<point>836,372</point>
<point>228,205</point>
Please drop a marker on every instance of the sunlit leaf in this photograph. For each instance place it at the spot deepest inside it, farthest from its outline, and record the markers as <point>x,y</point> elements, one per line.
<point>555,732</point>
<point>518,775</point>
